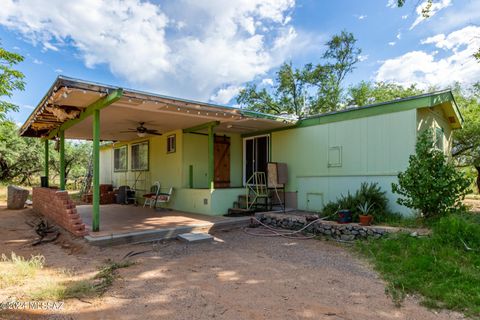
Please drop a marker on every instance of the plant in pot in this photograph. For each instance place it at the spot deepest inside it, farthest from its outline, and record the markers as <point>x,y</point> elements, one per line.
<point>366,218</point>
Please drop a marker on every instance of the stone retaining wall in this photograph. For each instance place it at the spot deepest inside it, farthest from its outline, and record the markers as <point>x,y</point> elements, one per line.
<point>345,232</point>
<point>57,206</point>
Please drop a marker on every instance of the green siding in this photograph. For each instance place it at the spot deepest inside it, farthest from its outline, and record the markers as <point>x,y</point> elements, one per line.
<point>375,147</point>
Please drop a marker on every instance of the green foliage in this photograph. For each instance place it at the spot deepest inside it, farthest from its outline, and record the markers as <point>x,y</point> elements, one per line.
<point>439,267</point>
<point>366,92</point>
<point>370,193</point>
<point>10,79</point>
<point>308,90</point>
<point>431,184</point>
<point>77,157</point>
<point>466,142</point>
<point>20,158</point>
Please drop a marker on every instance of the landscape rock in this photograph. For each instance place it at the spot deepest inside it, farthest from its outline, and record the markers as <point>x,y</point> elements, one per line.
<point>16,197</point>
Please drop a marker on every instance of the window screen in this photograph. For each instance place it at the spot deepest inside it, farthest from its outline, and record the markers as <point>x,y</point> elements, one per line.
<point>140,156</point>
<point>120,159</point>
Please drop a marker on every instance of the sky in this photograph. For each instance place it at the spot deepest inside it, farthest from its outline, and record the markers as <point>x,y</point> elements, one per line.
<point>208,50</point>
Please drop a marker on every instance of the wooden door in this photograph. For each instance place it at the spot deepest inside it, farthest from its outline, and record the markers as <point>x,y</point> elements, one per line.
<point>222,162</point>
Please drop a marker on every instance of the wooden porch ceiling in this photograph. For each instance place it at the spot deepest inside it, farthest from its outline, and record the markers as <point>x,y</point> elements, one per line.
<point>68,98</point>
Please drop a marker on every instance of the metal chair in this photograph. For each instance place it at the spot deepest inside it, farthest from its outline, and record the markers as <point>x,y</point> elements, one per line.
<point>164,197</point>
<point>152,197</point>
<point>256,189</point>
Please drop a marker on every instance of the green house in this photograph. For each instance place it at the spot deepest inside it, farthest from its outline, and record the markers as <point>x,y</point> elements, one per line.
<point>207,152</point>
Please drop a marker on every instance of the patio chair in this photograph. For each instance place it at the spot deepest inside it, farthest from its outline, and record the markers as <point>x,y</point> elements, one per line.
<point>152,197</point>
<point>164,197</point>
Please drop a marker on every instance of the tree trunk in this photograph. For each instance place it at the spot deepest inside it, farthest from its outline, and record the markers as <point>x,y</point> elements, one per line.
<point>478,178</point>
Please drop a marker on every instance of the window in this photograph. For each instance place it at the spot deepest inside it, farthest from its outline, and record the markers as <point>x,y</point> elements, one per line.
<point>335,156</point>
<point>439,135</point>
<point>120,159</point>
<point>140,156</point>
<point>171,143</point>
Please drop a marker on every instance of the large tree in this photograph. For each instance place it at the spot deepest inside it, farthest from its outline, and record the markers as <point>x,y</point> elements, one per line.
<point>20,158</point>
<point>366,93</point>
<point>10,80</point>
<point>466,142</point>
<point>77,157</point>
<point>308,90</point>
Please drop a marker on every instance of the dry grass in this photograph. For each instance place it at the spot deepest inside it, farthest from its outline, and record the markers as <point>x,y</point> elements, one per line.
<point>27,278</point>
<point>15,270</point>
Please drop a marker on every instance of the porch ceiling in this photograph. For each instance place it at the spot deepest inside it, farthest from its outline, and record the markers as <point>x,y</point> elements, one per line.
<point>68,98</point>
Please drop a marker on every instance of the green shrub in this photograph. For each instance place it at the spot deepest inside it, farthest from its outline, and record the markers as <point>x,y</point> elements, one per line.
<point>431,184</point>
<point>368,192</point>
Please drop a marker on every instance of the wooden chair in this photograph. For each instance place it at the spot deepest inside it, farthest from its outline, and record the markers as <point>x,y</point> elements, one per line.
<point>152,197</point>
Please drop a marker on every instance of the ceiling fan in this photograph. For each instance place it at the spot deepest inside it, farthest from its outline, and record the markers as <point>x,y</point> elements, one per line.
<point>141,130</point>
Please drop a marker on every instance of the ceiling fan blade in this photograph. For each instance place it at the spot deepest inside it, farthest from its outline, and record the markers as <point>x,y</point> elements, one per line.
<point>127,131</point>
<point>154,132</point>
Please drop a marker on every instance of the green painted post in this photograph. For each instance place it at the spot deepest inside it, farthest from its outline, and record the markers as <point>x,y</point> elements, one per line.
<point>211,164</point>
<point>46,160</point>
<point>62,160</point>
<point>96,171</point>
<point>190,177</point>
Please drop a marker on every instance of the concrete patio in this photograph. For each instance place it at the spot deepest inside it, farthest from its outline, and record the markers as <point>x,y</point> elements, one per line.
<point>121,224</point>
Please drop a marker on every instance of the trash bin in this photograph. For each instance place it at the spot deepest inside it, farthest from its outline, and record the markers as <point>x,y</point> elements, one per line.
<point>44,182</point>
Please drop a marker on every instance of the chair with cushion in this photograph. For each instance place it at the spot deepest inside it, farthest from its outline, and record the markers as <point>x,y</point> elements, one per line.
<point>151,198</point>
<point>164,197</point>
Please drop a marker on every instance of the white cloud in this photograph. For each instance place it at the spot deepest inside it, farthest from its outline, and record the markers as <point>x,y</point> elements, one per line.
<point>36,61</point>
<point>362,57</point>
<point>267,82</point>
<point>223,43</point>
<point>224,95</point>
<point>58,70</point>
<point>27,106</point>
<point>433,9</point>
<point>392,43</point>
<point>405,16</point>
<point>399,35</point>
<point>392,3</point>
<point>361,17</point>
<point>453,63</point>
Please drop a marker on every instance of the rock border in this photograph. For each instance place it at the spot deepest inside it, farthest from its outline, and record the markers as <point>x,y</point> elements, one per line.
<point>344,232</point>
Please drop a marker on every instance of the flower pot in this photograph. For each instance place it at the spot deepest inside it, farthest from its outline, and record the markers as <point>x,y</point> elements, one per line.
<point>365,220</point>
<point>344,216</point>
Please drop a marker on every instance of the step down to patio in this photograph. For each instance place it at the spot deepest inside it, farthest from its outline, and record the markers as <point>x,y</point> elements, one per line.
<point>195,237</point>
<point>166,233</point>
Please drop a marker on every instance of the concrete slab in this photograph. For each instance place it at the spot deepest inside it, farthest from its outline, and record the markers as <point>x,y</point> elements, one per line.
<point>195,237</point>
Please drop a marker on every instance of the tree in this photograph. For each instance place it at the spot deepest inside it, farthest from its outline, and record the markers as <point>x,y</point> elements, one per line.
<point>308,90</point>
<point>77,157</point>
<point>431,183</point>
<point>20,158</point>
<point>466,142</point>
<point>366,93</point>
<point>10,80</point>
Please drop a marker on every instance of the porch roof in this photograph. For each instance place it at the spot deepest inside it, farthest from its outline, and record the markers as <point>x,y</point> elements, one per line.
<point>68,99</point>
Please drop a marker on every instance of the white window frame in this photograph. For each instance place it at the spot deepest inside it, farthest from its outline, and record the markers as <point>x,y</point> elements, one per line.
<point>244,169</point>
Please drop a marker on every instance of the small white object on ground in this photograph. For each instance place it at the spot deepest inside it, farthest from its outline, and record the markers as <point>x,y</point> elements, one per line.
<point>195,237</point>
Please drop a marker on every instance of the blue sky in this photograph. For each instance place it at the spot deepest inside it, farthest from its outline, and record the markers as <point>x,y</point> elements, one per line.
<point>208,50</point>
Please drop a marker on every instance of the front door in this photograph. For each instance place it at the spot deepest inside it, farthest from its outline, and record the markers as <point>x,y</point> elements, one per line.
<point>222,162</point>
<point>256,156</point>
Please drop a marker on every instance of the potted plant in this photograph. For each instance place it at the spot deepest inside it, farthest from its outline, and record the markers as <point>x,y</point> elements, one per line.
<point>365,217</point>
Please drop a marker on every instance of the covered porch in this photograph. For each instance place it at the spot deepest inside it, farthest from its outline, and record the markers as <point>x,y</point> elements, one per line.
<point>180,136</point>
<point>127,224</point>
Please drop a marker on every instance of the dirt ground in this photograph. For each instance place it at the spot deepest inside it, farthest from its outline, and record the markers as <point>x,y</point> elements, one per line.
<point>236,277</point>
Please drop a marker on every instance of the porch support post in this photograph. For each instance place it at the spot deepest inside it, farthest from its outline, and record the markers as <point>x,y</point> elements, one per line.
<point>211,163</point>
<point>62,159</point>
<point>46,161</point>
<point>96,171</point>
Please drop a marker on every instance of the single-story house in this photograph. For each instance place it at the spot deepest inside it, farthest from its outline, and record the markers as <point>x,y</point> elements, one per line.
<point>207,152</point>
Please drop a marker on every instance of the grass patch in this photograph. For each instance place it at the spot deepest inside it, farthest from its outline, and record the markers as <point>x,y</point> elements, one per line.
<point>94,287</point>
<point>15,270</point>
<point>439,268</point>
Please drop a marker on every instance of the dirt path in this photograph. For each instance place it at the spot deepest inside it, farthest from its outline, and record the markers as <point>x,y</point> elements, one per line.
<point>236,277</point>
